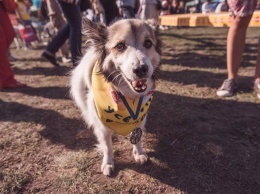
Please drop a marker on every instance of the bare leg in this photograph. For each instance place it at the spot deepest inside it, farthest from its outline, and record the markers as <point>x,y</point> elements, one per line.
<point>257,70</point>
<point>235,44</point>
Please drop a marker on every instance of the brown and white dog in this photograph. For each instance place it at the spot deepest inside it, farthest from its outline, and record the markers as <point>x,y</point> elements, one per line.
<point>114,81</point>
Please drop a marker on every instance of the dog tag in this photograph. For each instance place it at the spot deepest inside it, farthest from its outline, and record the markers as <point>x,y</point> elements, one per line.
<point>135,135</point>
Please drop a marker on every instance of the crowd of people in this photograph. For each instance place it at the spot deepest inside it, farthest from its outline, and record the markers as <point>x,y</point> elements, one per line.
<point>65,18</point>
<point>196,6</point>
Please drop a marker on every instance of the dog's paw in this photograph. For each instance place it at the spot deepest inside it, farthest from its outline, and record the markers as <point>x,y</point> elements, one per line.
<point>107,169</point>
<point>141,158</point>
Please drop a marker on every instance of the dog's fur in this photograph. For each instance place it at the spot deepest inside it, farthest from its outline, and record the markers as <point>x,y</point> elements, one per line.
<point>120,50</point>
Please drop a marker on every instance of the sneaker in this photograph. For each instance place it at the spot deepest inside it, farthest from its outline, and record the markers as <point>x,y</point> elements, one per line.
<point>257,87</point>
<point>66,59</point>
<point>51,59</point>
<point>228,88</point>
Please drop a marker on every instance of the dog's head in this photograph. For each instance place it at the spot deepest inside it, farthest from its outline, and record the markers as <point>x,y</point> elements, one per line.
<point>128,52</point>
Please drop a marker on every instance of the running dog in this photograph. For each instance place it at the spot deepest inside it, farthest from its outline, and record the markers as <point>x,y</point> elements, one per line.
<point>114,82</point>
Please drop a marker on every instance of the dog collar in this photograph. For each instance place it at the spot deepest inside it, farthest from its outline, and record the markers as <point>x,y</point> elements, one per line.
<point>116,111</point>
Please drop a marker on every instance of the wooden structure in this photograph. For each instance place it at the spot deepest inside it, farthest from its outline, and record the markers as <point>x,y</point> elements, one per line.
<point>212,19</point>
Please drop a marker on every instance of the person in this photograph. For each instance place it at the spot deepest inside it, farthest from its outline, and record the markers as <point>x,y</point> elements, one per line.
<point>149,9</point>
<point>99,11</point>
<point>222,6</point>
<point>7,35</point>
<point>165,8</point>
<point>127,8</point>
<point>241,14</point>
<point>36,4</point>
<point>181,8</point>
<point>58,21</point>
<point>197,6</point>
<point>24,19</point>
<point>111,10</point>
<point>177,7</point>
<point>207,7</point>
<point>71,30</point>
<point>174,8</point>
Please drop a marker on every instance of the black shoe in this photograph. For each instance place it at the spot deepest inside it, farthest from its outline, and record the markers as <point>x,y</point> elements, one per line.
<point>51,59</point>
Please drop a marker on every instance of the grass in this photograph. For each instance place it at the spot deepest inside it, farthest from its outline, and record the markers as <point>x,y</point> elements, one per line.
<point>196,142</point>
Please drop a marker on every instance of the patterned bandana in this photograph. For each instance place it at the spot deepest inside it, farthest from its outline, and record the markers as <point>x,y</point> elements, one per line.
<point>116,111</point>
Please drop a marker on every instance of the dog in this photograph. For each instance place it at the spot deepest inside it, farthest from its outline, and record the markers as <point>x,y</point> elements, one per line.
<point>114,82</point>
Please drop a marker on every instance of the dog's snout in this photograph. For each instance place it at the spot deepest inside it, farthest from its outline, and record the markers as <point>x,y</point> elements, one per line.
<point>141,71</point>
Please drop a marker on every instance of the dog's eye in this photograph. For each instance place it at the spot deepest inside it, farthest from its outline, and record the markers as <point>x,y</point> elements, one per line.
<point>148,44</point>
<point>121,47</point>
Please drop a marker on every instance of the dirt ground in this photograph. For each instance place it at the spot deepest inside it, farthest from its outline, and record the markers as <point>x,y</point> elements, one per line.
<point>196,142</point>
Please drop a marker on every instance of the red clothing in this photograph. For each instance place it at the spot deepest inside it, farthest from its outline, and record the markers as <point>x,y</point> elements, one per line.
<point>7,35</point>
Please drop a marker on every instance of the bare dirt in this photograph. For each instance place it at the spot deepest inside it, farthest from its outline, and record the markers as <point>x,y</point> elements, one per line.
<point>196,142</point>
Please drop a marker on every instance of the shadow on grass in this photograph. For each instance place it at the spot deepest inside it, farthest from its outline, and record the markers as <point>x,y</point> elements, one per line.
<point>45,92</point>
<point>199,145</point>
<point>198,48</point>
<point>57,128</point>
<point>204,145</point>
<point>47,71</point>
<point>204,79</point>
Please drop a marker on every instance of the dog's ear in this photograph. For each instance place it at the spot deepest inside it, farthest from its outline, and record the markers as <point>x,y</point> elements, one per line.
<point>155,26</point>
<point>96,38</point>
<point>96,34</point>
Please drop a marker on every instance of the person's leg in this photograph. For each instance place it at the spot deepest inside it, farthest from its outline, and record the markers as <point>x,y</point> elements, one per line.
<point>242,13</point>
<point>58,40</point>
<point>128,12</point>
<point>58,21</point>
<point>74,19</point>
<point>143,12</point>
<point>257,70</point>
<point>235,47</point>
<point>7,34</point>
<point>6,72</point>
<point>111,10</point>
<point>235,44</point>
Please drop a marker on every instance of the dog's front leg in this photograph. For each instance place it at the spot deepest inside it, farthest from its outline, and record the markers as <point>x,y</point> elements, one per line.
<point>105,144</point>
<point>139,153</point>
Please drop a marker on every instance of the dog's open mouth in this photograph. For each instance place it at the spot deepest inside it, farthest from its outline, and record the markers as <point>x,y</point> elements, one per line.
<point>139,85</point>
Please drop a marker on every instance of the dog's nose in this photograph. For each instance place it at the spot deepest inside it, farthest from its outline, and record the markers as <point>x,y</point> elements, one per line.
<point>141,71</point>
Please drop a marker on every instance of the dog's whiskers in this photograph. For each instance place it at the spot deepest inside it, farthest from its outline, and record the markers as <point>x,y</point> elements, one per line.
<point>122,81</point>
<point>116,71</point>
<point>115,78</point>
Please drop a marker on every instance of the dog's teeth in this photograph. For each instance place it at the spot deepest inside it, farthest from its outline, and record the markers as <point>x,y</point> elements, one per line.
<point>134,83</point>
<point>139,85</point>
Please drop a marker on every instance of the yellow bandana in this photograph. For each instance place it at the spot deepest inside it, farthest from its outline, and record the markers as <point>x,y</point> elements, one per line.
<point>116,111</point>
